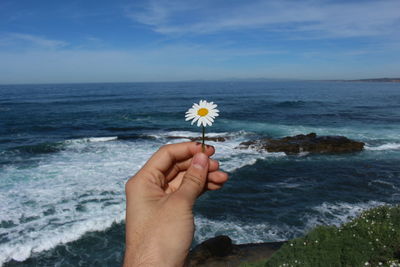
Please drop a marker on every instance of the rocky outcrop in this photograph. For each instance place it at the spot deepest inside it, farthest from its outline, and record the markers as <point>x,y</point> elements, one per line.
<point>220,251</point>
<point>306,143</point>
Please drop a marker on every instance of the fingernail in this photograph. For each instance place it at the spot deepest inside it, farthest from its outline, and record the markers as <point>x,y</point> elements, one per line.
<point>200,161</point>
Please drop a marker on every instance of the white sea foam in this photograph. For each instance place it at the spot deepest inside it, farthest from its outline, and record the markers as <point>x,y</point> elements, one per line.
<point>384,183</point>
<point>63,195</point>
<point>337,213</point>
<point>231,158</point>
<point>242,232</point>
<point>92,139</point>
<point>388,146</point>
<point>281,130</point>
<point>66,194</point>
<point>239,232</point>
<point>190,134</point>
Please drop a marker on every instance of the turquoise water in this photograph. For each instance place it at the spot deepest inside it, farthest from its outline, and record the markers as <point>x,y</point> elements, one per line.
<point>67,150</point>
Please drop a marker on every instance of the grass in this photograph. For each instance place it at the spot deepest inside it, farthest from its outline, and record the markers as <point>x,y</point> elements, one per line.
<point>371,239</point>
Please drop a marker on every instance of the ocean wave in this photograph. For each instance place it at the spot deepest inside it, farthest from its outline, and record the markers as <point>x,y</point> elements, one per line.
<point>91,139</point>
<point>51,147</point>
<point>61,196</point>
<point>42,148</point>
<point>277,130</point>
<point>242,232</point>
<point>130,129</point>
<point>231,158</point>
<point>51,239</point>
<point>388,146</point>
<point>299,103</point>
<point>337,213</point>
<point>384,184</point>
<point>65,195</point>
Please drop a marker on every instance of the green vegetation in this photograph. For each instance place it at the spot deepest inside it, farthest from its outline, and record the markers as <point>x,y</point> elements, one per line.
<point>372,239</point>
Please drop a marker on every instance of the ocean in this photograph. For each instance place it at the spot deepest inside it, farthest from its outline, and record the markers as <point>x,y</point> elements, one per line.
<point>66,151</point>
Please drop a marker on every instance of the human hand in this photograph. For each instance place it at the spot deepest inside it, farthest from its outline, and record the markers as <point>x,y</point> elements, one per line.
<point>159,202</point>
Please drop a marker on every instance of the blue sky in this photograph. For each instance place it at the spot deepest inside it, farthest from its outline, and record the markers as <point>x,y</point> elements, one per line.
<point>123,41</point>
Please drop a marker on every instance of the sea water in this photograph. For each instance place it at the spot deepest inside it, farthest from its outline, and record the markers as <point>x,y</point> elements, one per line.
<point>67,150</point>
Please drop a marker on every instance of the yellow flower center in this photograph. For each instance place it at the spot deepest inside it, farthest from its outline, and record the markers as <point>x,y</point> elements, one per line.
<point>202,112</point>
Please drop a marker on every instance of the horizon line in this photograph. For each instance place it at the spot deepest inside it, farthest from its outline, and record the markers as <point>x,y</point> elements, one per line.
<point>208,80</point>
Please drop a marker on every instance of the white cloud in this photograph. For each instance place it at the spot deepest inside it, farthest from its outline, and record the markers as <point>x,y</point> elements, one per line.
<point>11,39</point>
<point>317,19</point>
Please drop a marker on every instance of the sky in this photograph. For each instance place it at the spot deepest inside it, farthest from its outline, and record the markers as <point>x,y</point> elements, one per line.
<point>53,41</point>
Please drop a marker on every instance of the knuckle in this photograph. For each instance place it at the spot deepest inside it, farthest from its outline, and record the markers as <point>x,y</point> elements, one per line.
<point>130,184</point>
<point>164,148</point>
<point>216,162</point>
<point>194,179</point>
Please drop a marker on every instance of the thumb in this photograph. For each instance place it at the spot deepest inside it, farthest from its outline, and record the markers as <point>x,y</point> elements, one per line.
<point>195,178</point>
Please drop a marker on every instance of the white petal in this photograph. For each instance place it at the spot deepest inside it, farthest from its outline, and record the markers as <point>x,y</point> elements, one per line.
<point>192,113</point>
<point>207,121</point>
<point>195,119</point>
<point>213,115</point>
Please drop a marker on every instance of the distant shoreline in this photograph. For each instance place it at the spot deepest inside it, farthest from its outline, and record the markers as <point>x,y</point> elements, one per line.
<point>207,81</point>
<point>391,80</point>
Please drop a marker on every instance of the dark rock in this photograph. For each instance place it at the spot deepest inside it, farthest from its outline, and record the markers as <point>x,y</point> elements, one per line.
<point>306,143</point>
<point>219,251</point>
<point>194,139</point>
<point>218,246</point>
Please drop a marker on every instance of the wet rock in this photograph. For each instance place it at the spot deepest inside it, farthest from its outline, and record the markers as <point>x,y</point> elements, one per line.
<point>218,246</point>
<point>306,143</point>
<point>220,251</point>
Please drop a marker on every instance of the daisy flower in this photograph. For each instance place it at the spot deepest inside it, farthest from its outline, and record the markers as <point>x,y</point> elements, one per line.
<point>204,113</point>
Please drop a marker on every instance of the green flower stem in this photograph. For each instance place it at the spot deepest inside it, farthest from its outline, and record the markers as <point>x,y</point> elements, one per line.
<point>203,146</point>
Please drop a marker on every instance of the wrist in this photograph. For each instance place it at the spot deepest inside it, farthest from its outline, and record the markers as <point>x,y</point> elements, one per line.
<point>139,258</point>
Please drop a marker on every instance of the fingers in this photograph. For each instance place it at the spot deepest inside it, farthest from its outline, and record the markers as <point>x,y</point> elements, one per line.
<point>168,155</point>
<point>194,179</point>
<point>216,180</point>
<point>184,165</point>
<point>212,186</point>
<point>217,177</point>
